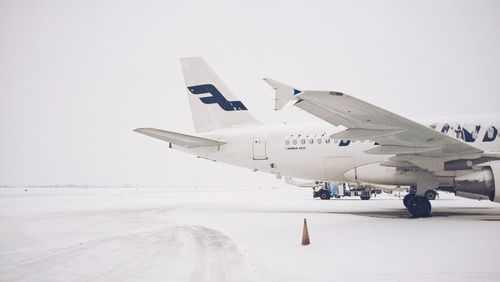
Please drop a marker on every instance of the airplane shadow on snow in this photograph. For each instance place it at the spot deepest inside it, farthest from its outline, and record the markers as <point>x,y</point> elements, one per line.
<point>462,213</point>
<point>455,213</point>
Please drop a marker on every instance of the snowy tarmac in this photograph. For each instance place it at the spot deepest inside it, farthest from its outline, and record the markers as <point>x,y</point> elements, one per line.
<point>240,234</point>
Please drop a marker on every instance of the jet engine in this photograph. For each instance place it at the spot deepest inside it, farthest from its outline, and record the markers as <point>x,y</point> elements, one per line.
<point>481,184</point>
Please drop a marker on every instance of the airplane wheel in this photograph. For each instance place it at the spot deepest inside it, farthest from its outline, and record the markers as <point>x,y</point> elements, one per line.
<point>419,206</point>
<point>365,197</point>
<point>406,198</point>
<point>430,194</point>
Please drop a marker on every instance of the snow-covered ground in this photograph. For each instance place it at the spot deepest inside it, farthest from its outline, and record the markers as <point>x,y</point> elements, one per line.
<point>251,234</point>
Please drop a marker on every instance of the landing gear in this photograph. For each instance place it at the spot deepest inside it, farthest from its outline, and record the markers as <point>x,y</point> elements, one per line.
<point>430,194</point>
<point>407,198</point>
<point>418,206</point>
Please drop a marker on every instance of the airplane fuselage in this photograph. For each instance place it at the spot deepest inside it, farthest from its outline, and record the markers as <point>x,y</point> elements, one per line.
<point>306,150</point>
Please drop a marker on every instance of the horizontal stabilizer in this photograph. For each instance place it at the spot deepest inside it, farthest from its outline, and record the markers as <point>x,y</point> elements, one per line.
<point>183,140</point>
<point>284,93</point>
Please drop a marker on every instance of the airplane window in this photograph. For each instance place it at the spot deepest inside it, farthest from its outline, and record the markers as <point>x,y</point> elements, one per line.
<point>294,142</point>
<point>327,141</point>
<point>319,141</point>
<point>311,141</point>
<point>287,142</point>
<point>302,141</point>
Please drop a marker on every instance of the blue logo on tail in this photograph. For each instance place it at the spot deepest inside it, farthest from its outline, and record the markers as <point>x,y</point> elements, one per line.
<point>216,98</point>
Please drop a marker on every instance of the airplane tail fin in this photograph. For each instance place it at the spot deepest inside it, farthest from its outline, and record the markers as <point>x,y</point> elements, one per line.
<point>213,105</point>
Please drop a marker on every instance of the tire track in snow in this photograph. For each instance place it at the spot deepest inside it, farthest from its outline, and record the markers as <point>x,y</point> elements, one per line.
<point>218,259</point>
<point>172,252</point>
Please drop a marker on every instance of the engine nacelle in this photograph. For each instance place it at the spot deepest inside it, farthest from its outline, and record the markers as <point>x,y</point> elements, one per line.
<point>480,184</point>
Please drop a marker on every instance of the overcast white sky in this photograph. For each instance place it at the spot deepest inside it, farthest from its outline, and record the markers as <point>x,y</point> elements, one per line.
<point>76,77</point>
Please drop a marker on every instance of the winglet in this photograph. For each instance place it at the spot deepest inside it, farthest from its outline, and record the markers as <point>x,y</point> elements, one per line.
<point>284,93</point>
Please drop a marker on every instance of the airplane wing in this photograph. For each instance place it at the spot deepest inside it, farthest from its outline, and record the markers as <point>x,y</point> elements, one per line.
<point>412,143</point>
<point>184,140</point>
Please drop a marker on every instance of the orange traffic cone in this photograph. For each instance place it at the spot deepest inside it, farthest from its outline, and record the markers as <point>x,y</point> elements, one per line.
<point>305,235</point>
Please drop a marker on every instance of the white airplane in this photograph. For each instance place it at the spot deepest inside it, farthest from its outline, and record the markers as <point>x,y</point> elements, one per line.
<point>357,143</point>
